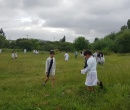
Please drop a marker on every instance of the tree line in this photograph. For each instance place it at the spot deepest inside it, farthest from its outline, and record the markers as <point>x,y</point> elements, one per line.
<point>115,42</point>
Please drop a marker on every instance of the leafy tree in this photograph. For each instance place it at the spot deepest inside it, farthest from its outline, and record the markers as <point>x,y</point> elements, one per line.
<point>13,45</point>
<point>24,44</point>
<point>128,24</point>
<point>81,43</point>
<point>123,27</point>
<point>63,39</point>
<point>96,39</point>
<point>123,42</point>
<point>2,40</point>
<point>2,32</point>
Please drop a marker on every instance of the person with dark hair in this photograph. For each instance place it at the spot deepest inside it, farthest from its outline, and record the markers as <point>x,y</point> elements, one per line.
<point>91,79</point>
<point>50,68</point>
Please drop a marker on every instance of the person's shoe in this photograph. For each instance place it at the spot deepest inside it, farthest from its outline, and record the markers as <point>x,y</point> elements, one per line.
<point>101,85</point>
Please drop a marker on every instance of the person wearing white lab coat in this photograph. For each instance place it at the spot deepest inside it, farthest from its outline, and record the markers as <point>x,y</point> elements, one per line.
<point>50,68</point>
<point>13,55</point>
<point>25,50</point>
<point>91,79</point>
<point>66,56</point>
<point>0,50</point>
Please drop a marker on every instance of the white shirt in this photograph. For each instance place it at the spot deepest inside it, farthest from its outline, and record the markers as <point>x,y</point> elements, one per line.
<point>91,62</point>
<point>48,64</point>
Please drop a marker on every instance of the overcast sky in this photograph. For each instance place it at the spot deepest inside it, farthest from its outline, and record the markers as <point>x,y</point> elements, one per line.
<point>52,19</point>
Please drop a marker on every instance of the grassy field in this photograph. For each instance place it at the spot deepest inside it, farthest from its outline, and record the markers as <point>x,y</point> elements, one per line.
<point>21,84</point>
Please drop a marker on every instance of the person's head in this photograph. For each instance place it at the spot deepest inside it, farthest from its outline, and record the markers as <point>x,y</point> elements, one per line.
<point>87,53</point>
<point>52,53</point>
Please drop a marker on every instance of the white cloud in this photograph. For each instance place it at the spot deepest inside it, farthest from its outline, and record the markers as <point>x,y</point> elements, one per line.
<point>46,19</point>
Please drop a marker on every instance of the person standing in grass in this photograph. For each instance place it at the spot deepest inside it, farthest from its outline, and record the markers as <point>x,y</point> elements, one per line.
<point>25,50</point>
<point>0,50</point>
<point>91,79</point>
<point>66,56</point>
<point>76,54</point>
<point>13,55</point>
<point>50,68</point>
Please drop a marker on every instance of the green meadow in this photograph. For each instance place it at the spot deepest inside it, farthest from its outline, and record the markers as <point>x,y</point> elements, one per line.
<point>21,84</point>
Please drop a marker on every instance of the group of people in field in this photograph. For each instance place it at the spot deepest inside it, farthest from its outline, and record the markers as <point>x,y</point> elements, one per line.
<point>89,68</point>
<point>36,52</point>
<point>99,57</point>
<point>14,55</point>
<point>91,61</point>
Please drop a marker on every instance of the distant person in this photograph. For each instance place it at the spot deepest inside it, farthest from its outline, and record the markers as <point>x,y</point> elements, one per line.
<point>91,79</point>
<point>34,51</point>
<point>0,50</point>
<point>13,55</point>
<point>25,50</point>
<point>50,68</point>
<point>76,54</point>
<point>66,56</point>
<point>95,54</point>
<point>81,54</point>
<point>102,58</point>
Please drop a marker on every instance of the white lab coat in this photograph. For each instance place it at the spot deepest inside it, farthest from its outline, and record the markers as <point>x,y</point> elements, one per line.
<point>91,79</point>
<point>66,56</point>
<point>52,71</point>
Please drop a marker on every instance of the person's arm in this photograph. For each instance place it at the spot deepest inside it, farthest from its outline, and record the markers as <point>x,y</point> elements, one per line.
<point>88,68</point>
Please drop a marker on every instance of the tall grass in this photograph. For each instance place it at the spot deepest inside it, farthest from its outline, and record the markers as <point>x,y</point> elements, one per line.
<point>21,84</point>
